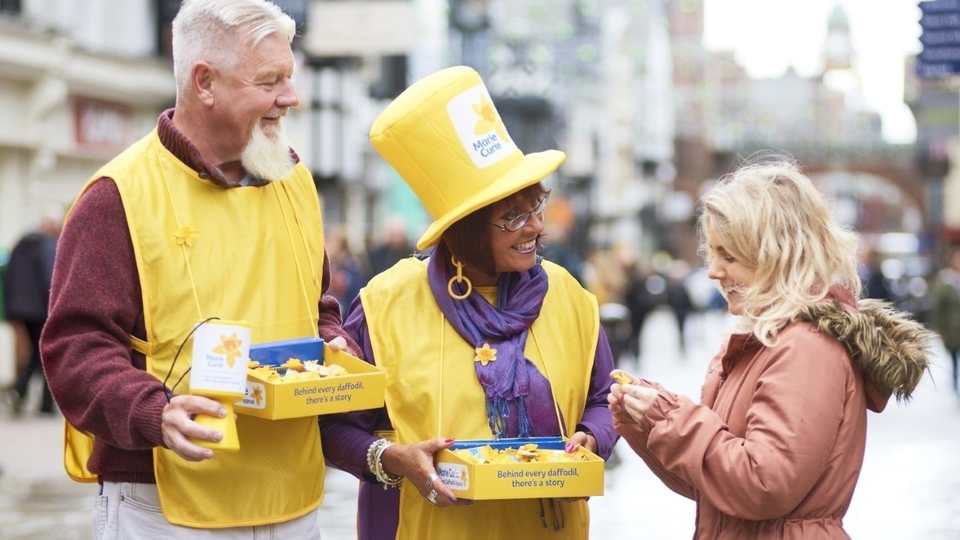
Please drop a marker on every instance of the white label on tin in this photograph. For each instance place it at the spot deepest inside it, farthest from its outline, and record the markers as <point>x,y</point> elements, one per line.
<point>220,353</point>
<point>454,475</point>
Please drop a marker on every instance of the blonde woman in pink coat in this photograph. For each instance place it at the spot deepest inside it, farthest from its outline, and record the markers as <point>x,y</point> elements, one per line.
<point>775,446</point>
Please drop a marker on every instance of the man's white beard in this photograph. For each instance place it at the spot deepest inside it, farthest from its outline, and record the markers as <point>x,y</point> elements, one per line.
<point>267,157</point>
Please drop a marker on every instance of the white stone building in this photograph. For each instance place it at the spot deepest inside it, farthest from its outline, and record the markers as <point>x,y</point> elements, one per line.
<point>79,81</point>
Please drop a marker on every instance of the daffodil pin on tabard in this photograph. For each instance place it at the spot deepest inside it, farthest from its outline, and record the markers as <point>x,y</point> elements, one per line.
<point>185,235</point>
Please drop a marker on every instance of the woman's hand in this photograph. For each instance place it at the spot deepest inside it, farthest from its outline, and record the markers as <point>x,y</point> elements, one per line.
<point>637,400</point>
<point>629,401</point>
<point>581,438</point>
<point>615,397</point>
<point>578,439</point>
<point>415,462</point>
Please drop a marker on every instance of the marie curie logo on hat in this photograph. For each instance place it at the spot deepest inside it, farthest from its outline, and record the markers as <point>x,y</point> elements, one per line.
<point>479,127</point>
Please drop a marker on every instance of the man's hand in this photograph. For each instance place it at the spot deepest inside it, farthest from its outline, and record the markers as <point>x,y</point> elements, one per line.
<point>338,344</point>
<point>179,427</point>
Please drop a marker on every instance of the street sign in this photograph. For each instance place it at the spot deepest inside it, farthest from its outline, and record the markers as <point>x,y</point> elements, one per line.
<point>940,22</point>
<point>938,6</point>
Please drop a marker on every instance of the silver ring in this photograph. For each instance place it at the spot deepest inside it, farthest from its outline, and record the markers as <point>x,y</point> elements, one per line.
<point>432,496</point>
<point>431,479</point>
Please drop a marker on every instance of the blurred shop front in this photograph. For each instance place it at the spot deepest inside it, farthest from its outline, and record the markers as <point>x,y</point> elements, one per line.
<point>79,81</point>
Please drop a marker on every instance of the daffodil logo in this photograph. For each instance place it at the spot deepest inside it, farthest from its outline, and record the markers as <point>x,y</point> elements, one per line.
<point>485,354</point>
<point>230,347</point>
<point>480,128</point>
<point>488,119</point>
<point>257,395</point>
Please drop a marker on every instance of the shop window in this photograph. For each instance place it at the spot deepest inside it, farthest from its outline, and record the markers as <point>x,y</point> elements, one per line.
<point>166,11</point>
<point>10,7</point>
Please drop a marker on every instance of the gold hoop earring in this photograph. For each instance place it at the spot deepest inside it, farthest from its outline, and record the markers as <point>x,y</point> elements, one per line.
<point>459,278</point>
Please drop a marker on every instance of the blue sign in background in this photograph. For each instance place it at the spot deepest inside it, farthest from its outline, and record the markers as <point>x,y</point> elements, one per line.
<point>940,21</point>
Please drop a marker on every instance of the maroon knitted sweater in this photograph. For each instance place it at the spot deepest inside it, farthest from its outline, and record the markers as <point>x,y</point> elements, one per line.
<point>100,385</point>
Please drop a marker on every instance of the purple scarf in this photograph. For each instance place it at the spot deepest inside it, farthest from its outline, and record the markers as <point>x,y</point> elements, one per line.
<point>505,380</point>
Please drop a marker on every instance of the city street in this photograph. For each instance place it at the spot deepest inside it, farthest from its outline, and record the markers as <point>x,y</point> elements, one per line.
<point>909,488</point>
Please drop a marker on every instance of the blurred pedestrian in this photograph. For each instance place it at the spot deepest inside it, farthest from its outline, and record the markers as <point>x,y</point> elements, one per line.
<point>394,246</point>
<point>558,249</point>
<point>640,302</point>
<point>678,298</point>
<point>776,445</point>
<point>604,276</point>
<point>875,284</point>
<point>347,274</point>
<point>945,309</point>
<point>26,300</point>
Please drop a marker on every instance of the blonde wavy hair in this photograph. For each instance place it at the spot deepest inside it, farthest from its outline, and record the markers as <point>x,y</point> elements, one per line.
<point>770,217</point>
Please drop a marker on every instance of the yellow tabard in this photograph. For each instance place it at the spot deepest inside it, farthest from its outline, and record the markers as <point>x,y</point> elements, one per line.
<point>433,391</point>
<point>257,256</point>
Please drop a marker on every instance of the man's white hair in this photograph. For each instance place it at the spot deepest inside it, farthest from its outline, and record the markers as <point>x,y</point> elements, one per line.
<point>208,30</point>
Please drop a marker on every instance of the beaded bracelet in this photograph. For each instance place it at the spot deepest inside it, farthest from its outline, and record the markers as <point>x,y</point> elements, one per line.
<point>375,464</point>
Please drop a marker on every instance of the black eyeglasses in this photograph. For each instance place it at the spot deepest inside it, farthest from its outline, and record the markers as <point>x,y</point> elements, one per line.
<point>518,222</point>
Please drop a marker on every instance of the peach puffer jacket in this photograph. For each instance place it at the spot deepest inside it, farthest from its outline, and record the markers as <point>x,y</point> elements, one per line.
<point>774,449</point>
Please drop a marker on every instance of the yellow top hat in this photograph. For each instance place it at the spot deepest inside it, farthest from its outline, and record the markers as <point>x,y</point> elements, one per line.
<point>445,138</point>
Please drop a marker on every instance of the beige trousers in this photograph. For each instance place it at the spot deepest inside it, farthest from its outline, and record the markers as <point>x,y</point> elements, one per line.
<point>126,511</point>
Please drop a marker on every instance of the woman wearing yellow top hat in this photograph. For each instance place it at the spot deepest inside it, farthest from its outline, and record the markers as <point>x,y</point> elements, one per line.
<point>480,340</point>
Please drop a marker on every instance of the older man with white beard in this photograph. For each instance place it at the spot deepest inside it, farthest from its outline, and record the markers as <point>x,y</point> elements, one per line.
<point>267,155</point>
<point>211,215</point>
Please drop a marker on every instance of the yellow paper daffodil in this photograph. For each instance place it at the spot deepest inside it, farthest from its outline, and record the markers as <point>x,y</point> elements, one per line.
<point>185,235</point>
<point>485,354</point>
<point>229,346</point>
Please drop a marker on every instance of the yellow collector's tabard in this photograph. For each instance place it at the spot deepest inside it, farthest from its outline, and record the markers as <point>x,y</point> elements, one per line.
<point>257,258</point>
<point>431,394</point>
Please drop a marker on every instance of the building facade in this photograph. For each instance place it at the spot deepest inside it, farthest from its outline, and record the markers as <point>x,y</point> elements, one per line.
<point>81,81</point>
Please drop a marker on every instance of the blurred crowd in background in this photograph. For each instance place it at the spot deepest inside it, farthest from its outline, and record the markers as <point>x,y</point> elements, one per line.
<point>629,287</point>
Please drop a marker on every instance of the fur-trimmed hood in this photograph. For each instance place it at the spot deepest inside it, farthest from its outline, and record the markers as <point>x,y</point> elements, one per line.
<point>885,344</point>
